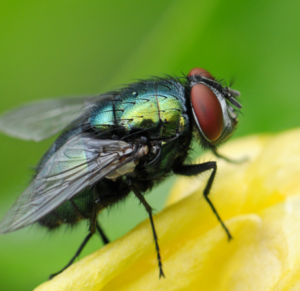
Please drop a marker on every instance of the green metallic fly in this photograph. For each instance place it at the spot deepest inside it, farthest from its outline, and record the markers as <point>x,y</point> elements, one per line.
<point>117,143</point>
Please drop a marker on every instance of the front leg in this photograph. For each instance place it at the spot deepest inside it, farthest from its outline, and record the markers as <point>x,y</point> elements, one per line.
<point>191,170</point>
<point>239,161</point>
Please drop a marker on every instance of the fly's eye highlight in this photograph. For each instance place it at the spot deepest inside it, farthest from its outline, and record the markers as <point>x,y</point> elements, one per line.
<point>201,72</point>
<point>208,111</point>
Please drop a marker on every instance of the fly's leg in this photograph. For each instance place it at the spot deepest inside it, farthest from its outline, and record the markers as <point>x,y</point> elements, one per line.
<point>87,238</point>
<point>104,238</point>
<point>102,234</point>
<point>93,226</point>
<point>191,170</point>
<point>239,161</point>
<point>149,210</point>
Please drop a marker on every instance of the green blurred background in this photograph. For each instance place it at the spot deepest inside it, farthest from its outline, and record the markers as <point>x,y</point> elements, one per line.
<point>63,48</point>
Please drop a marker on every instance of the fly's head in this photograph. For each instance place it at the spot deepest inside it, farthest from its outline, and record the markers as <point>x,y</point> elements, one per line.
<point>212,107</point>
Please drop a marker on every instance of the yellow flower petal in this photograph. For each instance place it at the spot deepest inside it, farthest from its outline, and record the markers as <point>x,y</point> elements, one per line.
<point>259,200</point>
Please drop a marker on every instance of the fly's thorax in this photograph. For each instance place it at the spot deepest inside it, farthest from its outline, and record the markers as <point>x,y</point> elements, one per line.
<point>161,157</point>
<point>212,109</point>
<point>156,109</point>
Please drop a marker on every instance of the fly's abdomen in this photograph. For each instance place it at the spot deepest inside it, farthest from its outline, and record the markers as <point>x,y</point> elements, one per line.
<point>155,107</point>
<point>78,208</point>
<point>87,203</point>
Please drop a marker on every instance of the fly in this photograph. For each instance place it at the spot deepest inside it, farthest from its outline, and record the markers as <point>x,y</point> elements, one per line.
<point>121,142</point>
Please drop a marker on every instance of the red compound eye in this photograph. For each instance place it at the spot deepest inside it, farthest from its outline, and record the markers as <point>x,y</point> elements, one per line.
<point>208,111</point>
<point>201,72</point>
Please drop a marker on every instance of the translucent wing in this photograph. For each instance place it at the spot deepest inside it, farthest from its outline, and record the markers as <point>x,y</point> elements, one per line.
<point>42,119</point>
<point>77,165</point>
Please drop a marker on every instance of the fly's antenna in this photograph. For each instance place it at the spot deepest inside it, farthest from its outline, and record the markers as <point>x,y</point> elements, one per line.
<point>231,97</point>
